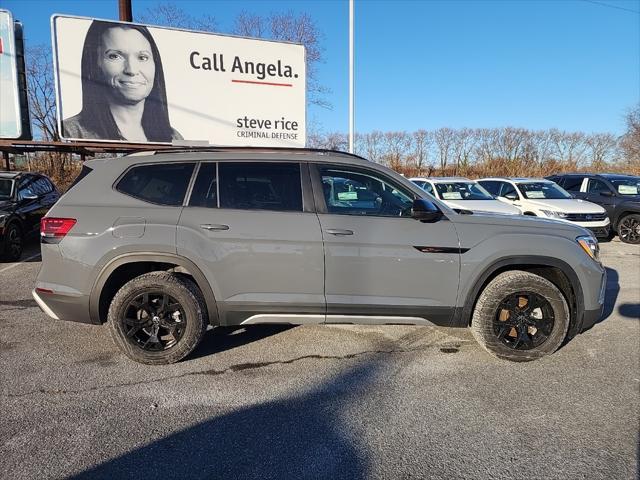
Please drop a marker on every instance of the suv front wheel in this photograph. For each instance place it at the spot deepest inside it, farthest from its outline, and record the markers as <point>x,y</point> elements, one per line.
<point>158,318</point>
<point>520,316</point>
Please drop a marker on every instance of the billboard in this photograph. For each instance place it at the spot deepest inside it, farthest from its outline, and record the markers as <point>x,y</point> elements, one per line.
<point>127,82</point>
<point>10,113</point>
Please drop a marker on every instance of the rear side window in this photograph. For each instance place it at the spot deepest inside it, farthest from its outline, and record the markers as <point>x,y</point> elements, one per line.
<point>260,186</point>
<point>163,184</point>
<point>572,184</point>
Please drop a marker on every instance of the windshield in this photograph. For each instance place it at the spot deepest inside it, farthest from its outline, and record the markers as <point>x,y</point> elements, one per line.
<point>6,188</point>
<point>539,190</point>
<point>462,191</point>
<point>627,186</point>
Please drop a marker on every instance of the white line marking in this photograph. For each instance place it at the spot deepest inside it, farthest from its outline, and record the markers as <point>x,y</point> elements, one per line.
<point>23,261</point>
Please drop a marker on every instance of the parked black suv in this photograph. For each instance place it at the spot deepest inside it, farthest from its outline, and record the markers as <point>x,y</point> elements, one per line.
<point>618,194</point>
<point>24,199</point>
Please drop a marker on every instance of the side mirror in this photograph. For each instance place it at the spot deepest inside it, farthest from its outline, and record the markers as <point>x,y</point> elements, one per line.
<point>606,193</point>
<point>511,196</point>
<point>425,211</point>
<point>30,197</point>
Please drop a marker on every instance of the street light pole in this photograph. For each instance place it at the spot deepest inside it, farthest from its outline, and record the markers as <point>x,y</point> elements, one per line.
<point>351,80</point>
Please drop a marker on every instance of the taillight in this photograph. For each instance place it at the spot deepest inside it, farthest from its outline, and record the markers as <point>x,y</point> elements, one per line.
<point>53,230</point>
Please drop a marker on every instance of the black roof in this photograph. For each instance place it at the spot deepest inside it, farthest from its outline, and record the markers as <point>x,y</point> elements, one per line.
<point>608,176</point>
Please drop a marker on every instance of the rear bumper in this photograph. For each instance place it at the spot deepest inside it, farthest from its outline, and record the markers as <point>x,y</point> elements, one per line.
<point>73,308</point>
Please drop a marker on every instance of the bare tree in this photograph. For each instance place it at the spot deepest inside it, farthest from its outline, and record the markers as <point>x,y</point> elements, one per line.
<point>290,27</point>
<point>630,142</point>
<point>464,142</point>
<point>396,145</point>
<point>422,141</point>
<point>373,146</point>
<point>41,92</point>
<point>602,148</point>
<point>568,147</point>
<point>168,14</point>
<point>444,138</point>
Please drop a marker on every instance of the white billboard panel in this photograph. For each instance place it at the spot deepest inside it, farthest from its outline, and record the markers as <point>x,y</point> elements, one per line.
<point>127,82</point>
<point>10,117</point>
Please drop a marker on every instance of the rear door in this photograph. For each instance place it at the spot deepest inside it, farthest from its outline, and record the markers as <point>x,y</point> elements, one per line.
<point>381,264</point>
<point>251,228</point>
<point>599,192</point>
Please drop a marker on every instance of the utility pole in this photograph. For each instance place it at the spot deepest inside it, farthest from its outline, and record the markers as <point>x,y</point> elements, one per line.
<point>125,10</point>
<point>351,80</point>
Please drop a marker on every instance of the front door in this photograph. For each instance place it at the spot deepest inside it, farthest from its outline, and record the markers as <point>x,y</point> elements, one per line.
<point>382,266</point>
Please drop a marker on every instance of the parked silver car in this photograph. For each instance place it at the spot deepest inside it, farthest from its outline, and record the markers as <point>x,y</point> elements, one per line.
<point>161,245</point>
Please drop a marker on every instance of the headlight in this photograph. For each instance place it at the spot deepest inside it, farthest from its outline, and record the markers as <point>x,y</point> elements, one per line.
<point>552,214</point>
<point>590,245</point>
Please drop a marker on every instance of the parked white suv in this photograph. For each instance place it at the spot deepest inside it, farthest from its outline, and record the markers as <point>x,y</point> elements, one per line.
<point>464,194</point>
<point>544,198</point>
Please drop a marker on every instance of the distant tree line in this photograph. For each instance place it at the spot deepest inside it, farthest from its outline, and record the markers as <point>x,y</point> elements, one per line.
<point>494,151</point>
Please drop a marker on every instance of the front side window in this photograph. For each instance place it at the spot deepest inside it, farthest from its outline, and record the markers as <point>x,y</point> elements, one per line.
<point>163,184</point>
<point>462,191</point>
<point>205,189</point>
<point>539,190</point>
<point>508,189</point>
<point>597,186</point>
<point>350,192</point>
<point>260,186</point>
<point>627,186</point>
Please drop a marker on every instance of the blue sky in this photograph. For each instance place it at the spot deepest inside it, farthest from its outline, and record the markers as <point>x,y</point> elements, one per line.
<point>537,64</point>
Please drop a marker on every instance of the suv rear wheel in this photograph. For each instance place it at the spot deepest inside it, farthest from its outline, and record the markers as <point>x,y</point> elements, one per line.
<point>158,318</point>
<point>520,316</point>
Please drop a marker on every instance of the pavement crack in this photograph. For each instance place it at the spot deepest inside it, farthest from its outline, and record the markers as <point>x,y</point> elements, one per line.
<point>233,368</point>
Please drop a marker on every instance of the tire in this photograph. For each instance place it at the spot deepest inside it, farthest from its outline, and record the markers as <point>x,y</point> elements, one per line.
<point>146,330</point>
<point>523,333</point>
<point>629,229</point>
<point>13,242</point>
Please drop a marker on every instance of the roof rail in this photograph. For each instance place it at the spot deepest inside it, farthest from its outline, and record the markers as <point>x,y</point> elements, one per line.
<point>209,148</point>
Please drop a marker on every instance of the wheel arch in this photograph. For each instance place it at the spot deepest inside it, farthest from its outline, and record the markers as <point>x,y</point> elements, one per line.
<point>560,273</point>
<point>128,266</point>
<point>623,213</point>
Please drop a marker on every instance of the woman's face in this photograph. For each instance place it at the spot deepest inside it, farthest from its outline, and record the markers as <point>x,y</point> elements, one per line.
<point>126,62</point>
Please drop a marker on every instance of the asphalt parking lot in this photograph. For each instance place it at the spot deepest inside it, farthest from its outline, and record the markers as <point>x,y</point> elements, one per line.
<point>318,402</point>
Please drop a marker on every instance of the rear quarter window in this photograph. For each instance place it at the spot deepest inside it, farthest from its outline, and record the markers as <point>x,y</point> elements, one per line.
<point>162,184</point>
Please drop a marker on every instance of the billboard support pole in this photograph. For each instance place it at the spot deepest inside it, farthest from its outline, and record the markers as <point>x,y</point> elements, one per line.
<point>7,165</point>
<point>125,10</point>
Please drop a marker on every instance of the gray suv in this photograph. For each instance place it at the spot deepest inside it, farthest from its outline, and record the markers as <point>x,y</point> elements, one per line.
<point>160,245</point>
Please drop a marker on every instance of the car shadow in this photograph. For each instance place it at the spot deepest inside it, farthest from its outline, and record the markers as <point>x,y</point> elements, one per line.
<point>221,339</point>
<point>611,294</point>
<point>301,436</point>
<point>630,310</point>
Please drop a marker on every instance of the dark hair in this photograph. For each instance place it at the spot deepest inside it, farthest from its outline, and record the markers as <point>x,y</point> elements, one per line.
<point>96,115</point>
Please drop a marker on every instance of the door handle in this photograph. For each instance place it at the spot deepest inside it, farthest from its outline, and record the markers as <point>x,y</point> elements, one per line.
<point>339,231</point>
<point>214,227</point>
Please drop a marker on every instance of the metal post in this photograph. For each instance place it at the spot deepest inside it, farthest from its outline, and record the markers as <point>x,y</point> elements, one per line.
<point>5,155</point>
<point>125,10</point>
<point>351,80</point>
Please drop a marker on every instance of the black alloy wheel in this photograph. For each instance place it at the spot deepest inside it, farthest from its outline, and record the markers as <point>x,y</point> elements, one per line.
<point>13,242</point>
<point>154,321</point>
<point>523,321</point>
<point>629,229</point>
